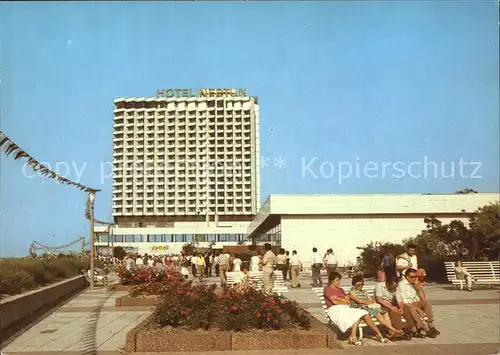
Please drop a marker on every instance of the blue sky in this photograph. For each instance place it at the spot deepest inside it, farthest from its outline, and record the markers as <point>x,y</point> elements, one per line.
<point>344,82</point>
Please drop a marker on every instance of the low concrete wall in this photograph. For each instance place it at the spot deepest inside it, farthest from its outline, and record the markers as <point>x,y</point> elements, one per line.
<point>144,339</point>
<point>15,309</point>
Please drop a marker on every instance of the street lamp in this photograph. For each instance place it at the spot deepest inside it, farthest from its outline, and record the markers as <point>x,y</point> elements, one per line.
<point>92,251</point>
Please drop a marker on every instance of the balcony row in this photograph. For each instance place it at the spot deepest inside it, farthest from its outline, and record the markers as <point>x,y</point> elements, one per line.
<point>174,212</point>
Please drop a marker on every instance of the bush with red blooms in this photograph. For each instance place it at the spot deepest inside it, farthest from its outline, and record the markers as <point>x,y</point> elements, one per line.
<point>163,283</point>
<point>138,276</point>
<point>235,309</point>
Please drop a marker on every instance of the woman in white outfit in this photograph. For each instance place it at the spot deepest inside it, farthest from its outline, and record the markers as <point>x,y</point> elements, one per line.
<point>342,315</point>
<point>254,262</point>
<point>237,264</point>
<point>462,274</point>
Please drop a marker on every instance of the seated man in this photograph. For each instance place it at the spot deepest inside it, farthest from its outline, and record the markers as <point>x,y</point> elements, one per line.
<point>385,295</point>
<point>412,300</point>
<point>97,278</point>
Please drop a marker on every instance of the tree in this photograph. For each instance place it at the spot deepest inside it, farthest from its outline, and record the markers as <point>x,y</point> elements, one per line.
<point>372,254</point>
<point>188,249</point>
<point>119,253</point>
<point>485,229</point>
<point>439,242</point>
<point>466,191</point>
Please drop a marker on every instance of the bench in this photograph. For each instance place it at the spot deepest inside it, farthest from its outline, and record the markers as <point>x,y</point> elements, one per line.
<point>278,283</point>
<point>486,272</point>
<point>255,279</point>
<point>233,278</point>
<point>370,289</point>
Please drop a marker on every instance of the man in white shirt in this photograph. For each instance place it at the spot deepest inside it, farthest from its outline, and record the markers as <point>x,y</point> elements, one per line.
<point>223,267</point>
<point>216,265</point>
<point>295,266</point>
<point>316,265</point>
<point>281,263</point>
<point>330,261</point>
<point>139,262</point>
<point>194,267</point>
<point>210,265</point>
<point>412,300</point>
<point>407,260</point>
<point>385,296</point>
<point>268,263</point>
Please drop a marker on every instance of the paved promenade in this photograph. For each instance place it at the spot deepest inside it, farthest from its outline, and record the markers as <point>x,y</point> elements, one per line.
<point>90,324</point>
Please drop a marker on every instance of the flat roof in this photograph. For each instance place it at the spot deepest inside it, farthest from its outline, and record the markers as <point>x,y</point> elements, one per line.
<point>276,206</point>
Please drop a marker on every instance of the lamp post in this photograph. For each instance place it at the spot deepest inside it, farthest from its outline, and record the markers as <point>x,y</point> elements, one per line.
<point>92,251</point>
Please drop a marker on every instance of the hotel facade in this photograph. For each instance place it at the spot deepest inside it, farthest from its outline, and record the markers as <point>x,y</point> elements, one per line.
<point>186,169</point>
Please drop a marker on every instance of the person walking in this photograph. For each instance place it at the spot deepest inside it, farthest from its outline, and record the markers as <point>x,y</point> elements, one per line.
<point>254,261</point>
<point>389,265</point>
<point>281,263</point>
<point>316,265</point>
<point>216,264</point>
<point>286,275</point>
<point>223,267</point>
<point>268,264</point>
<point>194,264</point>
<point>236,263</point>
<point>295,266</point>
<point>210,264</point>
<point>330,261</point>
<point>200,264</point>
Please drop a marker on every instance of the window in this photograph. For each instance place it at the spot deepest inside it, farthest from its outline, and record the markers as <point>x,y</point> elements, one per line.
<point>154,238</point>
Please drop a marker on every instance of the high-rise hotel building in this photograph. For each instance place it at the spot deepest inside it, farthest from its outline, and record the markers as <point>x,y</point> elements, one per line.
<point>186,167</point>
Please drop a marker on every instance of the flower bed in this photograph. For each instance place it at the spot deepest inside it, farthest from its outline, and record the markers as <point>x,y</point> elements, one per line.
<point>143,284</point>
<point>237,318</point>
<point>147,275</point>
<point>22,274</point>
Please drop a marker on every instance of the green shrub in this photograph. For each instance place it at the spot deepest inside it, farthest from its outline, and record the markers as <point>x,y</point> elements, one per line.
<point>18,275</point>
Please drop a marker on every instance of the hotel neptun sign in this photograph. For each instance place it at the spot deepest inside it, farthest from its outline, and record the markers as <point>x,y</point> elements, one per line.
<point>178,93</point>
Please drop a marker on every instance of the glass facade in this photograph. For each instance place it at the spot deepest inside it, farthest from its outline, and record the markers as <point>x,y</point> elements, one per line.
<point>170,238</point>
<point>273,236</point>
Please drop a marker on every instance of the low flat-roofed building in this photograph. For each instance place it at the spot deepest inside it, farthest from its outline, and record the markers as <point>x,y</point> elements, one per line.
<point>152,239</point>
<point>345,222</point>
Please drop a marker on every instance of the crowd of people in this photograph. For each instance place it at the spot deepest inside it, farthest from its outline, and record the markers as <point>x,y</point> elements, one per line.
<point>398,293</point>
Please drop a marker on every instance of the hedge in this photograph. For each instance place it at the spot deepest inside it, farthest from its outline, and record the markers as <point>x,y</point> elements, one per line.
<point>18,275</point>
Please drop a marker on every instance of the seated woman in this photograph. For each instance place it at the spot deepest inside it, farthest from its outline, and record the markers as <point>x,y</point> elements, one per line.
<point>462,274</point>
<point>342,315</point>
<point>360,299</point>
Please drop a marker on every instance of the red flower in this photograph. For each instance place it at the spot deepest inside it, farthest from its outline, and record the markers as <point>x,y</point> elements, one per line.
<point>258,314</point>
<point>186,312</point>
<point>234,308</point>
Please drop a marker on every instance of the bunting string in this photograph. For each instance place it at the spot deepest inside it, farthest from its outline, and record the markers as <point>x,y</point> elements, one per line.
<point>89,208</point>
<point>9,147</point>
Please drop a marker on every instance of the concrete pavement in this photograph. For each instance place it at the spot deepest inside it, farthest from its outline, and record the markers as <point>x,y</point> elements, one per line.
<point>89,324</point>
